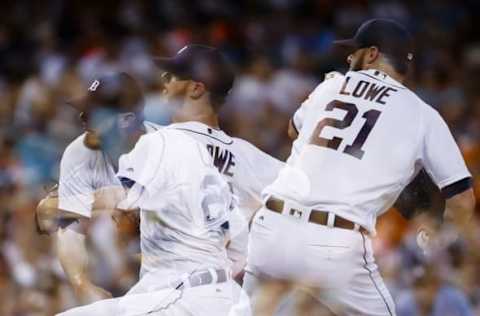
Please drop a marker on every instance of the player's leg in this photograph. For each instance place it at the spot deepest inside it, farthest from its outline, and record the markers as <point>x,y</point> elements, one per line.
<point>366,293</point>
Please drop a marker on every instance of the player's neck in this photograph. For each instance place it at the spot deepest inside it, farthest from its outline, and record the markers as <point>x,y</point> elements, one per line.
<point>197,113</point>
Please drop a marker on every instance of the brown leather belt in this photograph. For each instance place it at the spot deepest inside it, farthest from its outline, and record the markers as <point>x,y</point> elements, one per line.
<point>316,216</point>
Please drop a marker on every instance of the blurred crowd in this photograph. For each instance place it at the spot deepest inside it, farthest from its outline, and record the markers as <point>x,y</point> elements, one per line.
<point>281,49</point>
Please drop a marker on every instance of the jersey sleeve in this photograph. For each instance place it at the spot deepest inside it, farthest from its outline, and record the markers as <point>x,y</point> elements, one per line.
<point>441,156</point>
<point>76,191</point>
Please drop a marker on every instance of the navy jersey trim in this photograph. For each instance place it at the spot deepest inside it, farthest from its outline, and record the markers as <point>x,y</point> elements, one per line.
<point>126,182</point>
<point>457,187</point>
<point>200,133</point>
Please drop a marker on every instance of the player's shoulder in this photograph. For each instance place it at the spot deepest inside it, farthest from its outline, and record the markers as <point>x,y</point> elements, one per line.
<point>78,153</point>
<point>332,81</point>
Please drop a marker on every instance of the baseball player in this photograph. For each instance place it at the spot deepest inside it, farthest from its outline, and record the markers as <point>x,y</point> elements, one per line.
<point>111,112</point>
<point>185,207</point>
<point>362,137</point>
<point>248,170</point>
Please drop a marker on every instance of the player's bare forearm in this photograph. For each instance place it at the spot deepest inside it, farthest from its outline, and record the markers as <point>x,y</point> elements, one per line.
<point>73,256</point>
<point>459,211</point>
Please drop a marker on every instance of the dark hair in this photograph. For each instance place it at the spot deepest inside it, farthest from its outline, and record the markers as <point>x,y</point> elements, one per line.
<point>402,66</point>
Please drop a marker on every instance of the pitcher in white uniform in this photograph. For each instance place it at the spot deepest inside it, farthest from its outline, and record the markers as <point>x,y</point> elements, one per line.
<point>185,207</point>
<point>362,137</point>
<point>112,114</point>
<point>247,169</point>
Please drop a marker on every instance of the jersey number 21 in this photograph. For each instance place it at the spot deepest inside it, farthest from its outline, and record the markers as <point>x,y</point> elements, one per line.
<point>355,149</point>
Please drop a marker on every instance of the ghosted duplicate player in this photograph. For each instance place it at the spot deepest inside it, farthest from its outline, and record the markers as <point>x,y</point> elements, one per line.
<point>197,81</point>
<point>362,138</point>
<point>112,114</point>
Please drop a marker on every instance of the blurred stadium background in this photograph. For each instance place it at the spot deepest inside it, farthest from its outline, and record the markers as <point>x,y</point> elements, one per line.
<point>50,50</point>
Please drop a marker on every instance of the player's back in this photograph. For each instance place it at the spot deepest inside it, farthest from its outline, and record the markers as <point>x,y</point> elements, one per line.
<point>184,202</point>
<point>361,140</point>
<point>247,169</point>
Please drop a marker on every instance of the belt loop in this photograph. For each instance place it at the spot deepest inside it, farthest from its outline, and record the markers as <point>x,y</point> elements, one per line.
<point>330,219</point>
<point>356,227</point>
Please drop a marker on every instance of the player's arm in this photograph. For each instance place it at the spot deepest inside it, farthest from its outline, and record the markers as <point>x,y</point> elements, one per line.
<point>460,207</point>
<point>73,256</point>
<point>443,161</point>
<point>75,205</point>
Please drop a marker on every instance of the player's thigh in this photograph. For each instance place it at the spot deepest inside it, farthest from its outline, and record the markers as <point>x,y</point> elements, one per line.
<point>365,294</point>
<point>269,247</point>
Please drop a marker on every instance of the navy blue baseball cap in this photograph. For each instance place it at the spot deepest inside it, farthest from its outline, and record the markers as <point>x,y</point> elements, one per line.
<point>118,91</point>
<point>200,63</point>
<point>390,37</point>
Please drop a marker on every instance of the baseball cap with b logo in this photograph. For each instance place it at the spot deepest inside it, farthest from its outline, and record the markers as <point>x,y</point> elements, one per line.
<point>390,37</point>
<point>117,91</point>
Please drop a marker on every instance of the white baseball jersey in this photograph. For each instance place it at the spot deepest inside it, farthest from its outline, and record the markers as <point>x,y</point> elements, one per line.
<point>247,169</point>
<point>185,203</point>
<point>362,138</point>
<point>82,172</point>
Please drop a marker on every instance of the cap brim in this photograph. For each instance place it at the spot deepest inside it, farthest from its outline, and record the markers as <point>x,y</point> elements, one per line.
<point>346,43</point>
<point>169,64</point>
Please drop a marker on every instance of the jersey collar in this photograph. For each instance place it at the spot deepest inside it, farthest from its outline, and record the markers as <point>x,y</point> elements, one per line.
<point>381,76</point>
<point>200,128</point>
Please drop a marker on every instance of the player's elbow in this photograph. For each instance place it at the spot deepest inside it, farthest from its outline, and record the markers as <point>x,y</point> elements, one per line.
<point>460,207</point>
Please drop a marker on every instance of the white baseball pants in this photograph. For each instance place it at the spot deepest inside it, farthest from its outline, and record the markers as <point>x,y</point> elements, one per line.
<point>336,266</point>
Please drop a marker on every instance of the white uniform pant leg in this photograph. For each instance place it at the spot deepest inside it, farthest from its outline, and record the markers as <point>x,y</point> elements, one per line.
<point>222,299</point>
<point>366,294</point>
<point>337,264</point>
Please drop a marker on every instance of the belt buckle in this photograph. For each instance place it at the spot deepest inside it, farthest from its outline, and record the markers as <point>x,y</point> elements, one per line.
<point>296,211</point>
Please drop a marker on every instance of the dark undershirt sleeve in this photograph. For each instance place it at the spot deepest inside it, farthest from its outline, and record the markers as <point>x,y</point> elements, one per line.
<point>126,182</point>
<point>457,187</point>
